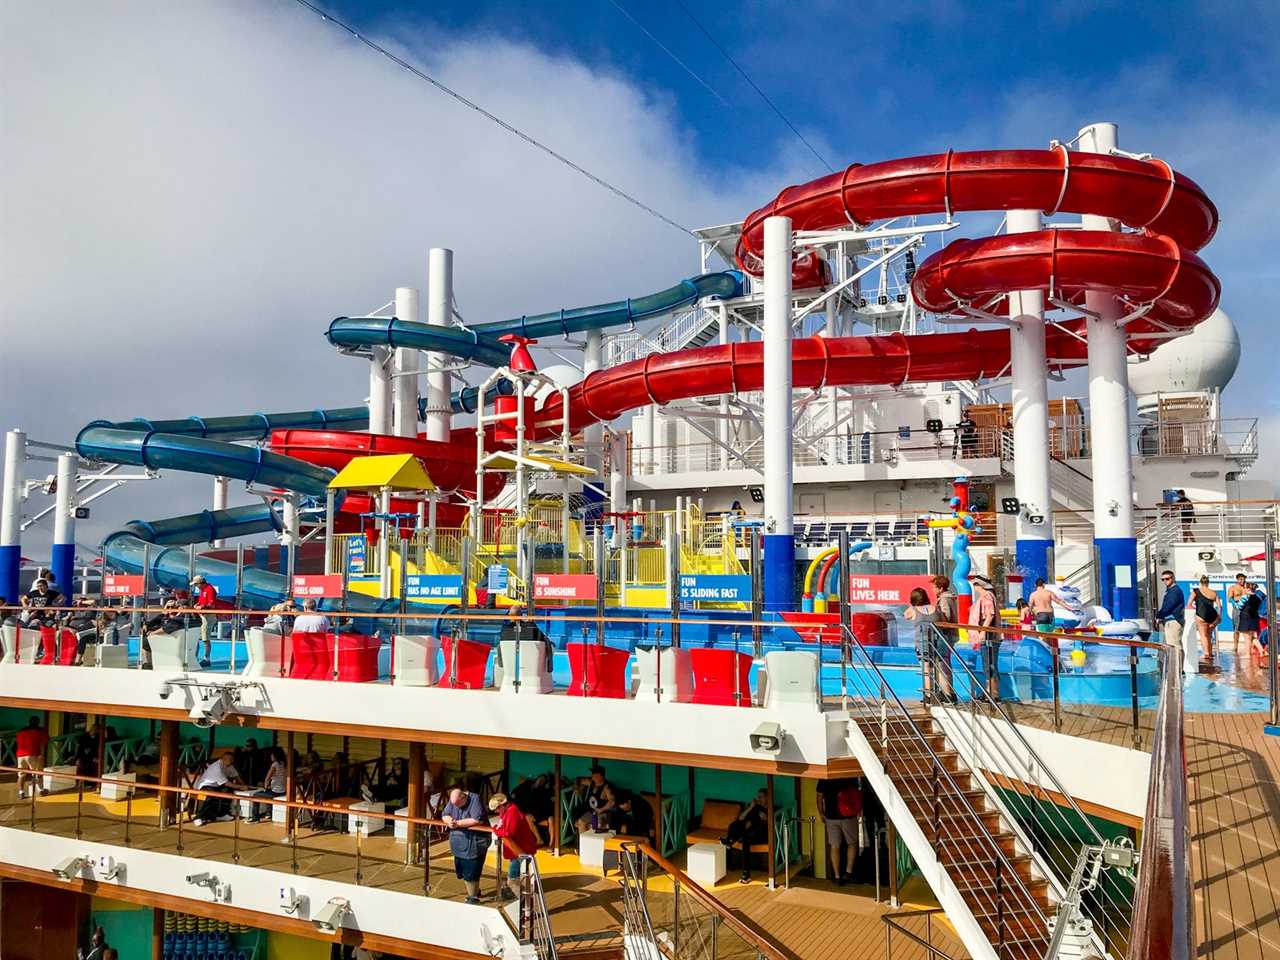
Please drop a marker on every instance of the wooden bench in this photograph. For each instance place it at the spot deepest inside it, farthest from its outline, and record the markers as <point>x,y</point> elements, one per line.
<point>716,817</point>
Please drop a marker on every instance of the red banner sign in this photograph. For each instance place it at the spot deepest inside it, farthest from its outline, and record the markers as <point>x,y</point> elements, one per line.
<point>892,589</point>
<point>315,587</point>
<point>564,586</point>
<point>115,585</point>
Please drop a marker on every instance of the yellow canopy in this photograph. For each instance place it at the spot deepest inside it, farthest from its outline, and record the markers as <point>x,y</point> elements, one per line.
<point>398,471</point>
<point>508,461</point>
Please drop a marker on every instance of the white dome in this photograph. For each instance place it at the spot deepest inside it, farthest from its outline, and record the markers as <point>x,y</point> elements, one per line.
<point>561,374</point>
<point>1204,359</point>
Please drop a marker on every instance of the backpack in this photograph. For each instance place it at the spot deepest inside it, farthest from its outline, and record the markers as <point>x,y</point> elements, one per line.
<point>849,802</point>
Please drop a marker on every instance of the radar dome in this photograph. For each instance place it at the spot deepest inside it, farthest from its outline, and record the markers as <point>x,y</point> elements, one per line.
<point>1204,359</point>
<point>561,374</point>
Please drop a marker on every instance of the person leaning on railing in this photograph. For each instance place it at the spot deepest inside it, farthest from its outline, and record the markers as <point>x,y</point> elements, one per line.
<point>944,640</point>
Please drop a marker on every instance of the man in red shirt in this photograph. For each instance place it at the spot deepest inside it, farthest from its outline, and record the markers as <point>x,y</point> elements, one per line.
<point>517,839</point>
<point>206,598</point>
<point>30,752</point>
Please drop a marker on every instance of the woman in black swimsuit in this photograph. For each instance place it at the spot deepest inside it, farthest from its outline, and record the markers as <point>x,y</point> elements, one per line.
<point>1207,605</point>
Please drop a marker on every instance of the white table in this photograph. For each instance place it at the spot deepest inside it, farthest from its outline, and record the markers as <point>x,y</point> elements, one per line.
<point>591,847</point>
<point>247,800</point>
<point>707,863</point>
<point>280,813</point>
<point>402,826</point>
<point>111,655</point>
<point>118,791</point>
<point>59,778</point>
<point>359,821</point>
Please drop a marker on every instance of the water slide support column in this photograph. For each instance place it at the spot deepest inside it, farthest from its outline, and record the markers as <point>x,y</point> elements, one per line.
<point>779,540</point>
<point>722,425</point>
<point>290,536</point>
<point>15,459</point>
<point>63,559</point>
<point>221,499</point>
<point>404,370</point>
<point>379,390</point>
<point>439,314</point>
<point>1030,418</point>
<point>1117,549</point>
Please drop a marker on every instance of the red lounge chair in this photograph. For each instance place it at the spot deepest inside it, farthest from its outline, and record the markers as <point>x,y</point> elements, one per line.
<point>312,656</point>
<point>48,645</point>
<point>357,657</point>
<point>67,647</point>
<point>713,677</point>
<point>597,671</point>
<point>473,658</point>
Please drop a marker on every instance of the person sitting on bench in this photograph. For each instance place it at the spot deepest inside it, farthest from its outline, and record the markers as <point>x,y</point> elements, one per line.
<point>634,816</point>
<point>750,828</point>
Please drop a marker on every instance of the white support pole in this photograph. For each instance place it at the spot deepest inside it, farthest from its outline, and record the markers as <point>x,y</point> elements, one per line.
<point>593,435</point>
<point>722,426</point>
<point>1109,424</point>
<point>291,535</point>
<point>379,390</point>
<point>63,558</point>
<point>833,400</point>
<point>779,542</point>
<point>385,530</point>
<point>1030,418</point>
<point>439,314</point>
<point>221,498</point>
<point>404,368</point>
<point>15,461</point>
<point>618,485</point>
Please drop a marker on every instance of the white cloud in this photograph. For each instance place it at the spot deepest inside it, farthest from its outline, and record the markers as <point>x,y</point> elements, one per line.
<point>190,192</point>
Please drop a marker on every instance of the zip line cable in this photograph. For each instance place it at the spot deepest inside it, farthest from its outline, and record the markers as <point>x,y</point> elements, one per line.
<point>515,131</point>
<point>663,47</point>
<point>745,76</point>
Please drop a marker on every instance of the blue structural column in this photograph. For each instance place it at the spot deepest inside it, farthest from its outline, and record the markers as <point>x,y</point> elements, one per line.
<point>15,459</point>
<point>63,560</point>
<point>1117,550</point>
<point>779,539</point>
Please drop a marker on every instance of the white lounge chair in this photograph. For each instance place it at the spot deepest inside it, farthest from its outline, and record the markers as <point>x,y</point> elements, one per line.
<point>175,651</point>
<point>414,659</point>
<point>677,674</point>
<point>789,679</point>
<point>266,652</point>
<point>20,644</point>
<point>535,677</point>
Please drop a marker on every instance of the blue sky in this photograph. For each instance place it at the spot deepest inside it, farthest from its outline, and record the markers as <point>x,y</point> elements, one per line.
<point>881,78</point>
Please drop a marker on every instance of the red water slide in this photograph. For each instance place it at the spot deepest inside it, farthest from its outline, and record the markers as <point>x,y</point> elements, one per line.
<point>1154,268</point>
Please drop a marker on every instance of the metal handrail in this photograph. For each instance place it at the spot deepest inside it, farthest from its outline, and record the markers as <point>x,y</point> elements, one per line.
<point>893,922</point>
<point>877,707</point>
<point>1163,918</point>
<point>636,856</point>
<point>535,924</point>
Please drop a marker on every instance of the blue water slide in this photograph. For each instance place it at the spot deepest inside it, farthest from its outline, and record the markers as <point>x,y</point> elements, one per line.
<point>723,285</point>
<point>253,426</point>
<point>354,332</point>
<point>207,526</point>
<point>197,454</point>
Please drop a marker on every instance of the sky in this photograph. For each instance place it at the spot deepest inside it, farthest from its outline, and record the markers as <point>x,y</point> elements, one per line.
<point>190,192</point>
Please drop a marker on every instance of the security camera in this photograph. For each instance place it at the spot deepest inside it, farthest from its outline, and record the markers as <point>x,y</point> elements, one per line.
<point>200,879</point>
<point>292,902</point>
<point>112,870</point>
<point>767,739</point>
<point>333,916</point>
<point>70,868</point>
<point>166,690</point>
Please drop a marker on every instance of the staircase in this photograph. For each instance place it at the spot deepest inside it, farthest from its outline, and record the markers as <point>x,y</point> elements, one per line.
<point>694,327</point>
<point>999,859</point>
<point>971,846</point>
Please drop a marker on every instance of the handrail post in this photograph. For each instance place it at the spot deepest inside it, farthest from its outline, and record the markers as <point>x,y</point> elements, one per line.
<point>128,813</point>
<point>1133,695</point>
<point>1057,687</point>
<point>359,852</point>
<point>235,832</point>
<point>79,805</point>
<point>843,615</point>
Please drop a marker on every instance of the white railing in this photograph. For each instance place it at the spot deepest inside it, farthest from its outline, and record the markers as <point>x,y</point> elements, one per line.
<point>1234,437</point>
<point>889,447</point>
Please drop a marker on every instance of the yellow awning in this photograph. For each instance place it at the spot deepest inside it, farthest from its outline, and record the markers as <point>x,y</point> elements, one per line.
<point>397,471</point>
<point>508,461</point>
